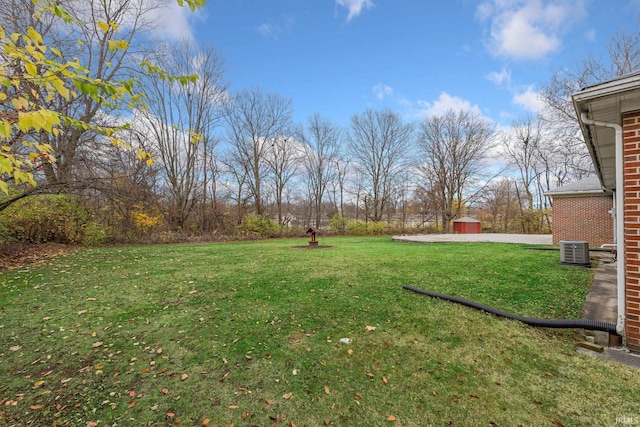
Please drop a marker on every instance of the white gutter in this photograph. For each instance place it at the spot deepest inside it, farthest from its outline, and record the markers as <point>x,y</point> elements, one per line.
<point>619,211</point>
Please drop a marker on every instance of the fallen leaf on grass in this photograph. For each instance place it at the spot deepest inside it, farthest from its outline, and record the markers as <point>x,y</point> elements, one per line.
<point>38,383</point>
<point>184,377</point>
<point>164,390</point>
<point>326,389</point>
<point>371,328</point>
<point>558,423</point>
<point>350,352</point>
<point>35,407</point>
<point>92,299</point>
<point>287,396</point>
<point>81,312</point>
<point>206,422</point>
<point>132,404</point>
<point>170,415</point>
<point>233,406</point>
<point>96,344</point>
<point>245,415</point>
<point>385,380</point>
<point>15,348</point>
<point>327,421</point>
<point>391,418</point>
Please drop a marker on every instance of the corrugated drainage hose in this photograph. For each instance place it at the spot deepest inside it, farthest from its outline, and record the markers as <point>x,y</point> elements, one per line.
<point>592,325</point>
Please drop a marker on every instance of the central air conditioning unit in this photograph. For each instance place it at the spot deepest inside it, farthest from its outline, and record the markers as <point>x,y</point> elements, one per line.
<point>573,252</point>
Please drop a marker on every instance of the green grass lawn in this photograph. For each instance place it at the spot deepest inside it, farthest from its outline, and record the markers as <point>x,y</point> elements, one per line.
<point>248,334</point>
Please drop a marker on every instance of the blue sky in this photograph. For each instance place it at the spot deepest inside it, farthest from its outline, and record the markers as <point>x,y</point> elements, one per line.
<point>416,57</point>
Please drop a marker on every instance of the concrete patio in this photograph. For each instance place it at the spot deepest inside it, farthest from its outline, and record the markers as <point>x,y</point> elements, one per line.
<point>527,239</point>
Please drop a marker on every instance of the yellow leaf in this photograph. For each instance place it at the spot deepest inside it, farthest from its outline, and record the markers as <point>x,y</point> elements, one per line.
<point>31,69</point>
<point>5,129</point>
<point>34,35</point>
<point>25,121</point>
<point>103,26</point>
<point>117,45</point>
<point>58,84</point>
<point>38,383</point>
<point>20,103</point>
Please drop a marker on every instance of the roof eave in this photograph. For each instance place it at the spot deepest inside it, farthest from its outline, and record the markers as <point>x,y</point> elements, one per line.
<point>606,102</point>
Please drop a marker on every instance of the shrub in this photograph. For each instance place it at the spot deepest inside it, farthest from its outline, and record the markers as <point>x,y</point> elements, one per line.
<point>338,224</point>
<point>357,227</point>
<point>50,218</point>
<point>95,234</point>
<point>259,225</point>
<point>377,228</point>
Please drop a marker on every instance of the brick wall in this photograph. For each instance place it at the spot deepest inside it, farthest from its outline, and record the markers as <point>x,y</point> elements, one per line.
<point>631,140</point>
<point>583,218</point>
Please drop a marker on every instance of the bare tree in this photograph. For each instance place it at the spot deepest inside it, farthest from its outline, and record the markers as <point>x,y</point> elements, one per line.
<point>341,168</point>
<point>379,142</point>
<point>89,42</point>
<point>284,157</point>
<point>254,120</point>
<point>623,58</point>
<point>497,202</point>
<point>322,143</point>
<point>180,120</point>
<point>454,146</point>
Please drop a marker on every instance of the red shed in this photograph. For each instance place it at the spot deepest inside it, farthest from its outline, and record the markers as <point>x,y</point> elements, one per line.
<point>466,225</point>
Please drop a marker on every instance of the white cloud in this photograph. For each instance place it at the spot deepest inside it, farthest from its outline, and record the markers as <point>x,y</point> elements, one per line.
<point>528,29</point>
<point>500,78</point>
<point>422,109</point>
<point>382,91</point>
<point>274,29</point>
<point>529,100</point>
<point>172,21</point>
<point>265,29</point>
<point>355,6</point>
<point>447,102</point>
<point>590,35</point>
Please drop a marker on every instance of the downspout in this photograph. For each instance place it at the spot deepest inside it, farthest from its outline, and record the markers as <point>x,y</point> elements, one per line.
<point>619,208</point>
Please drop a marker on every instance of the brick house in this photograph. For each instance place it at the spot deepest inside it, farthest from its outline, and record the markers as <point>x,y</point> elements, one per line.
<point>582,211</point>
<point>609,116</point>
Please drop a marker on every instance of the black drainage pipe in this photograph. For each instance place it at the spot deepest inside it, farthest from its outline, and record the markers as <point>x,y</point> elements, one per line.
<point>592,325</point>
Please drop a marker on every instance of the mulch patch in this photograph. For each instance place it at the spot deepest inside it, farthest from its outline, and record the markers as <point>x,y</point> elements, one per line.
<point>14,255</point>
